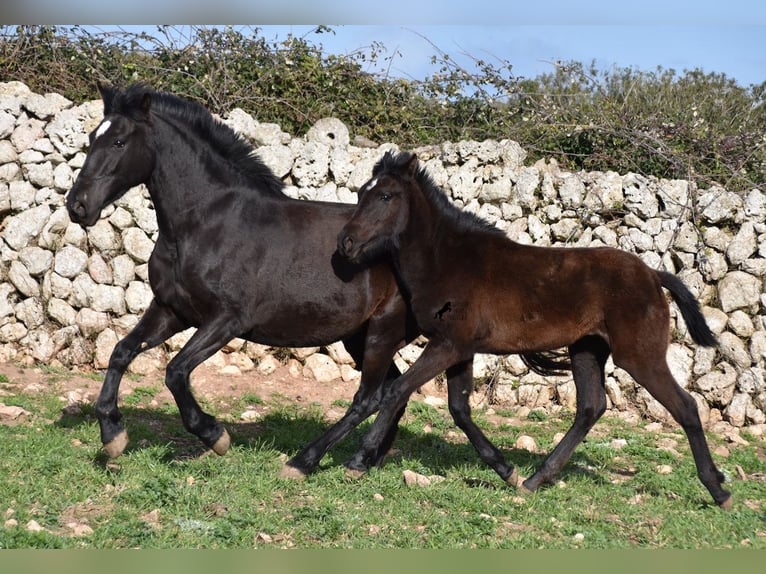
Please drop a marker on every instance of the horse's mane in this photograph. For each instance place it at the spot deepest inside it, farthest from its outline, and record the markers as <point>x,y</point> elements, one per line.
<point>226,142</point>
<point>397,164</point>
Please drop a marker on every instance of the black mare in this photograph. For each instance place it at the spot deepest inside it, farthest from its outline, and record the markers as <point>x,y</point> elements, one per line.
<point>473,290</point>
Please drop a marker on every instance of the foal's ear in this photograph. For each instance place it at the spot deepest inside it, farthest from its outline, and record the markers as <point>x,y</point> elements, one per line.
<point>412,165</point>
<point>146,103</point>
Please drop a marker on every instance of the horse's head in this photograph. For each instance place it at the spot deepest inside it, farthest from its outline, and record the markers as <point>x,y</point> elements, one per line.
<point>383,210</point>
<point>120,155</point>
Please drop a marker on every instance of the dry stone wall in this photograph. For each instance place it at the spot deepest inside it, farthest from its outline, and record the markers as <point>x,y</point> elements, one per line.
<point>67,294</point>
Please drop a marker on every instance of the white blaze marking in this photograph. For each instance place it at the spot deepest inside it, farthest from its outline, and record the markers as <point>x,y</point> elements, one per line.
<point>372,184</point>
<point>105,125</point>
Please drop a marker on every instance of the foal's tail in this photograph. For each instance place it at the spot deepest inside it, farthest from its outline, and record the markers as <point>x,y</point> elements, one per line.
<point>547,363</point>
<point>690,309</point>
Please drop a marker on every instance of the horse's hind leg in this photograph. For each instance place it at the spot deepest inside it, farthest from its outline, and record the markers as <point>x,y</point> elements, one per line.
<point>208,339</point>
<point>588,356</point>
<point>157,324</point>
<point>655,377</point>
<point>460,386</point>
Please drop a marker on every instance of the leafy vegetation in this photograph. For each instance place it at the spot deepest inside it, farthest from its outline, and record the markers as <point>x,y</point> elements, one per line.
<point>166,492</point>
<point>703,127</point>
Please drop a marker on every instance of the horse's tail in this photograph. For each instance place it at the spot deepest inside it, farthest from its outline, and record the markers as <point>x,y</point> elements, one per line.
<point>690,309</point>
<point>547,363</point>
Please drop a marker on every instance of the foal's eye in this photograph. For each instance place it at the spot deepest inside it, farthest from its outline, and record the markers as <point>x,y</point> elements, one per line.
<point>385,196</point>
<point>119,143</point>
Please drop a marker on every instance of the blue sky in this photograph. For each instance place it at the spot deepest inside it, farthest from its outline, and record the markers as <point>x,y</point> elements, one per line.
<point>715,36</point>
<point>737,51</point>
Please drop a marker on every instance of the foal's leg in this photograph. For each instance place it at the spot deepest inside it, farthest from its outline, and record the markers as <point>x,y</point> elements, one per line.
<point>655,377</point>
<point>365,402</point>
<point>208,339</point>
<point>588,356</point>
<point>385,446</point>
<point>375,362</point>
<point>436,357</point>
<point>157,324</point>
<point>460,386</point>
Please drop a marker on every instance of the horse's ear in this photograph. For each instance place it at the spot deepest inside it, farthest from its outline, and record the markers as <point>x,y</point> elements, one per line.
<point>146,103</point>
<point>107,95</point>
<point>412,165</point>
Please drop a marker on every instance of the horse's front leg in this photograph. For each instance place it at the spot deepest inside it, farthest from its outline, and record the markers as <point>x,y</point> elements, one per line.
<point>373,350</point>
<point>437,356</point>
<point>208,339</point>
<point>365,402</point>
<point>157,325</point>
<point>460,386</point>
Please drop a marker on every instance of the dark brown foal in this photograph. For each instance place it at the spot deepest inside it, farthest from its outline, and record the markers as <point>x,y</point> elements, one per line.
<point>473,290</point>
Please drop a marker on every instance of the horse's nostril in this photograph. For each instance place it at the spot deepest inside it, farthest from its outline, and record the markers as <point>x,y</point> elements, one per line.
<point>77,211</point>
<point>348,243</point>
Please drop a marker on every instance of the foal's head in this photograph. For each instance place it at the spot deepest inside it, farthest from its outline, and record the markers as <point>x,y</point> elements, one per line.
<point>120,156</point>
<point>383,210</point>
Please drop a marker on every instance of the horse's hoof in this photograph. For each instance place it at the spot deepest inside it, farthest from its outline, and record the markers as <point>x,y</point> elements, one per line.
<point>523,490</point>
<point>515,480</point>
<point>223,443</point>
<point>116,446</point>
<point>292,473</point>
<point>354,473</point>
<point>726,504</point>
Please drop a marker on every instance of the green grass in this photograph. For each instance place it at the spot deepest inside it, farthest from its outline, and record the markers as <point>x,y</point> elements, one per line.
<point>140,395</point>
<point>166,492</point>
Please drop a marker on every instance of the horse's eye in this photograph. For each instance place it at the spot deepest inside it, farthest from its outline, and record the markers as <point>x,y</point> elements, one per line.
<point>385,196</point>
<point>119,143</point>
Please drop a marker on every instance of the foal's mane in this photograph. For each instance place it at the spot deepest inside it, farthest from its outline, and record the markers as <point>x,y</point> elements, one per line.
<point>221,138</point>
<point>545,363</point>
<point>398,164</point>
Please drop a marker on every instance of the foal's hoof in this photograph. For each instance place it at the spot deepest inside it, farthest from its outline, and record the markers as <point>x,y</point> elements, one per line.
<point>523,490</point>
<point>292,473</point>
<point>726,504</point>
<point>223,443</point>
<point>116,446</point>
<point>516,481</point>
<point>354,473</point>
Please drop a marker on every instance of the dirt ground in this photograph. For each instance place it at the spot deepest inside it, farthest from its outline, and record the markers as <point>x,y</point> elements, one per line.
<point>208,384</point>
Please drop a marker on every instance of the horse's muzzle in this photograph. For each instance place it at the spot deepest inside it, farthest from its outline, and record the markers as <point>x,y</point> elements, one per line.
<point>77,211</point>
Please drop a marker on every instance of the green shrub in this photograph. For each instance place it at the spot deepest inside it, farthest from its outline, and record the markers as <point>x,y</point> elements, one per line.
<point>703,127</point>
